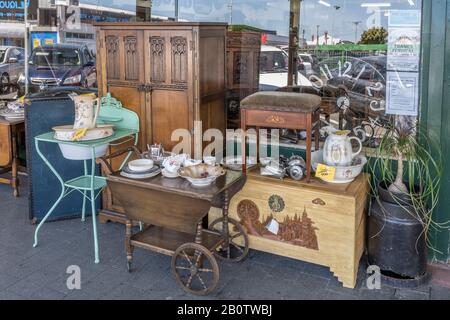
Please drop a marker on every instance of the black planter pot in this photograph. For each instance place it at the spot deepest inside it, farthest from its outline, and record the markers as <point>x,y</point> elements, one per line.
<point>387,196</point>
<point>396,242</point>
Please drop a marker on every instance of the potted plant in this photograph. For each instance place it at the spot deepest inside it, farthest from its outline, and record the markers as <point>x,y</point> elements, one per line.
<point>406,174</point>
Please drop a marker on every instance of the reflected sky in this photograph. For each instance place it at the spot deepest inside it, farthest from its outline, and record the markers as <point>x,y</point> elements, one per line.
<point>342,19</point>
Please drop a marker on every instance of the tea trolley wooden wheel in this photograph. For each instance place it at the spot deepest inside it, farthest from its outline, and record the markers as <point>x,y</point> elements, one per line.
<point>235,246</point>
<point>195,269</point>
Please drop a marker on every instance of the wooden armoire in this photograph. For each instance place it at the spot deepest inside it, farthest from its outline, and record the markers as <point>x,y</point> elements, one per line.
<point>243,52</point>
<point>170,73</point>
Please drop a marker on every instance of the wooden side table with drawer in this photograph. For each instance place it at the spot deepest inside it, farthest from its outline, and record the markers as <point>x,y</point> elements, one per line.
<point>9,158</point>
<point>283,110</point>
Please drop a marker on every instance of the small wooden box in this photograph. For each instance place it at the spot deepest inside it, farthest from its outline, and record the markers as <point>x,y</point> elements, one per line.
<point>317,222</point>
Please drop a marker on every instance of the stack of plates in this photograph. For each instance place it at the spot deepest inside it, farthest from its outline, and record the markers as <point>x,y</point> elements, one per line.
<point>138,170</point>
<point>10,114</point>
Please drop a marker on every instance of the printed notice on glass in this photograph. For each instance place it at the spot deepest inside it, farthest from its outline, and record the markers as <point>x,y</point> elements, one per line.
<point>404,49</point>
<point>402,91</point>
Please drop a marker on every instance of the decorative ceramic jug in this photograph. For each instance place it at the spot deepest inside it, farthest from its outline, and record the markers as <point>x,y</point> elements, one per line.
<point>85,113</point>
<point>338,150</point>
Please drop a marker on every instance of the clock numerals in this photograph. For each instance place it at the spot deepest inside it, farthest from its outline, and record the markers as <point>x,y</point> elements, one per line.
<point>348,65</point>
<point>377,87</point>
<point>378,106</point>
<point>316,82</point>
<point>360,73</point>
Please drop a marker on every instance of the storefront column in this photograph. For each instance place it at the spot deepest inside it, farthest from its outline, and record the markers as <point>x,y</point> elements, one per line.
<point>435,107</point>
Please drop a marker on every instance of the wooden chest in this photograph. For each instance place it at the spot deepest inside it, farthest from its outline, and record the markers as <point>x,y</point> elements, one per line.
<point>318,223</point>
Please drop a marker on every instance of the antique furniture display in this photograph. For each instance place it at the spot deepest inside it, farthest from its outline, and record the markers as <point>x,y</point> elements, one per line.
<point>43,112</point>
<point>243,51</point>
<point>283,110</point>
<point>9,136</point>
<point>174,211</point>
<point>314,222</point>
<point>90,185</point>
<point>170,73</point>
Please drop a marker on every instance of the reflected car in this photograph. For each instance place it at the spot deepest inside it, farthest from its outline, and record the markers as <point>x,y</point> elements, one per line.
<point>304,65</point>
<point>12,61</point>
<point>58,66</point>
<point>274,70</point>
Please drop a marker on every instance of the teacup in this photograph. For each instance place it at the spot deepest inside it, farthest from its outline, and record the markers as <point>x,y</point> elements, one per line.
<point>211,161</point>
<point>172,165</point>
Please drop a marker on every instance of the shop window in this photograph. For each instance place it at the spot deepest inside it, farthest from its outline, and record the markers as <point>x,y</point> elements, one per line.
<point>368,55</point>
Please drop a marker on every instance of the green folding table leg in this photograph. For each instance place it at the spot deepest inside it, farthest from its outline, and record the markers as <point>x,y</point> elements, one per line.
<point>94,216</point>
<point>61,196</point>
<point>83,211</point>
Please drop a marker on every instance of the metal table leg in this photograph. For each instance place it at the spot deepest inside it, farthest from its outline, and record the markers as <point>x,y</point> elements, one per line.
<point>94,216</point>
<point>83,211</point>
<point>61,196</point>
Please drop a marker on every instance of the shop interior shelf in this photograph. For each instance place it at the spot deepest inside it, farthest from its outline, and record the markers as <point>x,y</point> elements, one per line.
<point>84,183</point>
<point>166,241</point>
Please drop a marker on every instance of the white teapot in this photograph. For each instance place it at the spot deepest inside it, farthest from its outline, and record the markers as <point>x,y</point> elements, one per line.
<point>338,150</point>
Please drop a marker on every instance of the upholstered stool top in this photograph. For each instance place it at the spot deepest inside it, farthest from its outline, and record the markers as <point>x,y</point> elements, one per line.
<point>282,102</point>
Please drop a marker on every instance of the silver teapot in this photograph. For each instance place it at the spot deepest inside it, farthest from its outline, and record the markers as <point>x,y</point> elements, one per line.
<point>295,167</point>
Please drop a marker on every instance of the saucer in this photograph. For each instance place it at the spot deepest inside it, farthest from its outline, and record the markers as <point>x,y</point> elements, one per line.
<point>140,176</point>
<point>127,170</point>
<point>169,175</point>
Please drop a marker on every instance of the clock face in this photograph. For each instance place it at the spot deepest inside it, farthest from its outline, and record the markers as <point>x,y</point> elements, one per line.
<point>358,86</point>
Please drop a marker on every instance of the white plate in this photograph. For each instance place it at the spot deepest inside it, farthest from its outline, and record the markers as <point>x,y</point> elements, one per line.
<point>140,176</point>
<point>14,118</point>
<point>140,165</point>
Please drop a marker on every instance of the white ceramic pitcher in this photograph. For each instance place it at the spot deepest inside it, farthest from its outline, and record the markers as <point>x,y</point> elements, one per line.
<point>85,113</point>
<point>338,150</point>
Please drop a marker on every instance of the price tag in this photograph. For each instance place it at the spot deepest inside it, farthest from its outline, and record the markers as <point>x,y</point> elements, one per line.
<point>326,173</point>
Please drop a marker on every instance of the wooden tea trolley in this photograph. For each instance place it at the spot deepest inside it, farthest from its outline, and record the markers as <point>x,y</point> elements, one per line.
<point>174,212</point>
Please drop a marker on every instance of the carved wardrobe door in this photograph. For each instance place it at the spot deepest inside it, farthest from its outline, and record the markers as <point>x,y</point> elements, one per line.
<point>122,59</point>
<point>168,77</point>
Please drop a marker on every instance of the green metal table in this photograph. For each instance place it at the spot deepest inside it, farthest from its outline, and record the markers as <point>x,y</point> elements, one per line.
<point>88,184</point>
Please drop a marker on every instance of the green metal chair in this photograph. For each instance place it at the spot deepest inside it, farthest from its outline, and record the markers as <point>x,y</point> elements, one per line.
<point>126,124</point>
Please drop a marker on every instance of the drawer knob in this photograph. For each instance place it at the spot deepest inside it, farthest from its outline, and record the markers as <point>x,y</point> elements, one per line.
<point>319,202</point>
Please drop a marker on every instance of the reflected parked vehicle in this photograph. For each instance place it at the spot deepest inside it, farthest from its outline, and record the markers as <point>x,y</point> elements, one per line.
<point>12,61</point>
<point>60,65</point>
<point>304,66</point>
<point>274,70</point>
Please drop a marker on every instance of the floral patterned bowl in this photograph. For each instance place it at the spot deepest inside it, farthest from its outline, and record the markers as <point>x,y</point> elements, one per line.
<point>201,175</point>
<point>343,174</point>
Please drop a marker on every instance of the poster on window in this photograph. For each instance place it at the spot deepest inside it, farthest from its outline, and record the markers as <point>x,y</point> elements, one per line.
<point>402,93</point>
<point>404,49</point>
